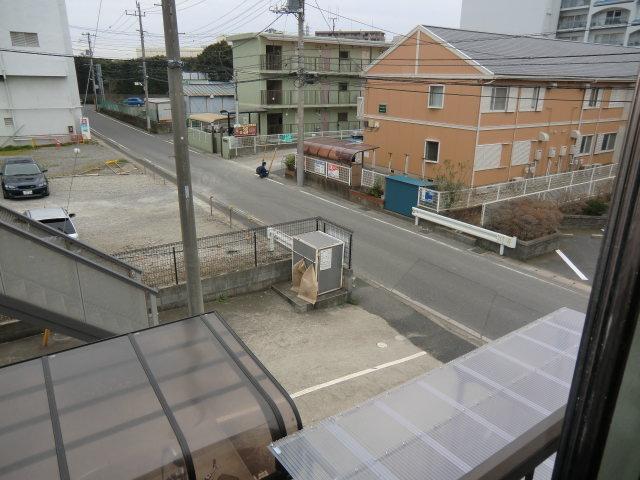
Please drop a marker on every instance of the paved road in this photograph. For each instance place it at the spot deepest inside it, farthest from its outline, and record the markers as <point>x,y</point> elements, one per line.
<point>484,293</point>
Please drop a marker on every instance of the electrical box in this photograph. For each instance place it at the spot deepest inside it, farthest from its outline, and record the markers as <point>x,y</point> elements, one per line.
<point>538,154</point>
<point>563,150</point>
<point>325,253</point>
<point>552,152</point>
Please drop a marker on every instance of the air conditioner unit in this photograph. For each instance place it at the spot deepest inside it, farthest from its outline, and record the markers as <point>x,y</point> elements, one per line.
<point>552,152</point>
<point>563,151</point>
<point>543,137</point>
<point>538,154</point>
<point>575,134</point>
<point>517,179</point>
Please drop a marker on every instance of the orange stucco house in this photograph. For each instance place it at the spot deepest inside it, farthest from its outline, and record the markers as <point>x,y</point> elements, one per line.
<point>493,107</point>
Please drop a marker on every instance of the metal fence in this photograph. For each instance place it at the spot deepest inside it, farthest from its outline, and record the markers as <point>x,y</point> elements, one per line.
<point>163,265</point>
<point>253,144</point>
<point>570,185</point>
<point>121,108</point>
<point>370,177</point>
<point>332,171</point>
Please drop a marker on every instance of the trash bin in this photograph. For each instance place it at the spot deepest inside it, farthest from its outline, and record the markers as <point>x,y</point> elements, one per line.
<point>325,253</point>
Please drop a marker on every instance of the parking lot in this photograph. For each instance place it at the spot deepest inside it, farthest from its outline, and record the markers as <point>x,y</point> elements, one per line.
<point>114,212</point>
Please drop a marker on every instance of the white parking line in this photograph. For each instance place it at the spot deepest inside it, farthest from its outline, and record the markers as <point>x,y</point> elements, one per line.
<point>351,376</point>
<point>571,265</point>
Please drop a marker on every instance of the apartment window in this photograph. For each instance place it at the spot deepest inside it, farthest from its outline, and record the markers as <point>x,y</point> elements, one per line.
<point>535,98</point>
<point>343,116</point>
<point>343,86</point>
<point>343,54</point>
<point>613,17</point>
<point>594,95</point>
<point>24,39</point>
<point>436,96</point>
<point>609,38</point>
<point>499,98</point>
<point>585,144</point>
<point>431,151</point>
<point>608,141</point>
<point>8,122</point>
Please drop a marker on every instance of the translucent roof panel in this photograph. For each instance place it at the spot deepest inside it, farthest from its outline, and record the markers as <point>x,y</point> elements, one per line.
<point>174,401</point>
<point>449,421</point>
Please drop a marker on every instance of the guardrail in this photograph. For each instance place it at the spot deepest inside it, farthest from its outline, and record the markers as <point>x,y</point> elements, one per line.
<point>585,181</point>
<point>490,235</point>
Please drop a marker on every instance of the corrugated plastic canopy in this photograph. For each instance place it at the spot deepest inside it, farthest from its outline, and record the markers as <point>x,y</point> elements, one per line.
<point>334,149</point>
<point>447,422</point>
<point>184,400</point>
<point>208,117</point>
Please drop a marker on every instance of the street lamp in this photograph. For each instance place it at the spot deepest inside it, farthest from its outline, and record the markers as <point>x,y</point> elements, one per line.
<point>228,114</point>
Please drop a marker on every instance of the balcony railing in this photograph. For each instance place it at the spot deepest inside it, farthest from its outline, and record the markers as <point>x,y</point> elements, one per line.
<point>604,21</point>
<point>571,24</point>
<point>574,3</point>
<point>311,97</point>
<point>289,63</point>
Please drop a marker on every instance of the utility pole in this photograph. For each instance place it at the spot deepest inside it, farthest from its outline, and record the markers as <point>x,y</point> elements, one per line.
<point>235,95</point>
<point>300,88</point>
<point>92,75</point>
<point>181,150</point>
<point>145,79</point>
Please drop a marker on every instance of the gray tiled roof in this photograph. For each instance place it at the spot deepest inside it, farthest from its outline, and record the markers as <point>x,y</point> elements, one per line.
<point>223,89</point>
<point>564,59</point>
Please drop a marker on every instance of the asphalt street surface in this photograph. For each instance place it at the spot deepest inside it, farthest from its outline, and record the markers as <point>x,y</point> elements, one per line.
<point>483,293</point>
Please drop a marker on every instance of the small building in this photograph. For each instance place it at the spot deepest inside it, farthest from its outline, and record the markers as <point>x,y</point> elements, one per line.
<point>337,160</point>
<point>210,97</point>
<point>39,98</point>
<point>401,193</point>
<point>160,109</point>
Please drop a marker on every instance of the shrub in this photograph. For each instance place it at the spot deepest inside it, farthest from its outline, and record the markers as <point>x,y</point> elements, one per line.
<point>526,219</point>
<point>290,161</point>
<point>376,190</point>
<point>595,206</point>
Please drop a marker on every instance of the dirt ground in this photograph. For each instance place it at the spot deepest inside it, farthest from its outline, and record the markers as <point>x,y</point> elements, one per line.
<point>116,213</point>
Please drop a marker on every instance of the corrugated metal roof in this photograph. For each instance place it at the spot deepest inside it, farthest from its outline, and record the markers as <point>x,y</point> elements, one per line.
<point>335,149</point>
<point>445,423</point>
<point>410,180</point>
<point>511,55</point>
<point>222,89</point>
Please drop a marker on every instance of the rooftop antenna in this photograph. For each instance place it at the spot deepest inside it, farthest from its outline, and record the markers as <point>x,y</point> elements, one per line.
<point>332,18</point>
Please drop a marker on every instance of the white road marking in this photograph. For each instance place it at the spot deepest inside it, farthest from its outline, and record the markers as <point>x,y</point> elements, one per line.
<point>351,376</point>
<point>571,265</point>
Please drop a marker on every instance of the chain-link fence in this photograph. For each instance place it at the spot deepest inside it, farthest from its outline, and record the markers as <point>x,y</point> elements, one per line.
<point>163,265</point>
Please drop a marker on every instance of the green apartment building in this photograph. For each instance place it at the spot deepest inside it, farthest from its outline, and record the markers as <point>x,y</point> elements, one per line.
<point>266,66</point>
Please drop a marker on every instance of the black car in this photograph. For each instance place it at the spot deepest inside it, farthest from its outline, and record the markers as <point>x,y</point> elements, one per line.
<point>22,177</point>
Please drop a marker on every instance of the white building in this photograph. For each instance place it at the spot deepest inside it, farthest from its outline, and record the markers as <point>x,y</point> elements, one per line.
<point>614,22</point>
<point>39,97</point>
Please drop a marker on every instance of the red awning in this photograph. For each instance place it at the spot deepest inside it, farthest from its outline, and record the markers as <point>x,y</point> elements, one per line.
<point>334,149</point>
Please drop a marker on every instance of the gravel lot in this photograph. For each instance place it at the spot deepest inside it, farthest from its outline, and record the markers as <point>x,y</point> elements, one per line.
<point>123,212</point>
<point>62,161</point>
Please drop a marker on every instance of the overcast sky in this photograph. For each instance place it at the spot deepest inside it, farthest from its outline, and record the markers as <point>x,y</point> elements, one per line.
<point>202,21</point>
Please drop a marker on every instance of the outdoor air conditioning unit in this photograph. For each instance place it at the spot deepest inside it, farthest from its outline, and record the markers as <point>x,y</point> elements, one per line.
<point>538,154</point>
<point>576,134</point>
<point>517,179</point>
<point>563,151</point>
<point>543,137</point>
<point>552,152</point>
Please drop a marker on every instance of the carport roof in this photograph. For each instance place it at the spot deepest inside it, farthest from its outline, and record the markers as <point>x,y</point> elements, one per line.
<point>334,149</point>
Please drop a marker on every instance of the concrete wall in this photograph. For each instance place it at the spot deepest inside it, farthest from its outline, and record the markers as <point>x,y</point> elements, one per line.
<point>200,139</point>
<point>38,93</point>
<point>510,16</point>
<point>230,284</point>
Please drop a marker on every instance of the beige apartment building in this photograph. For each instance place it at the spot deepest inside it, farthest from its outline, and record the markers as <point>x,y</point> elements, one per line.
<point>494,108</point>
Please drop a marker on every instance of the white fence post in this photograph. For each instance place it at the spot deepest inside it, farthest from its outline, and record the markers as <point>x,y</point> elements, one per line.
<point>593,172</point>
<point>438,202</point>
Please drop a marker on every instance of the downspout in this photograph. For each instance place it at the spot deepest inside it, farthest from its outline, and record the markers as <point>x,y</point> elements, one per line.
<point>595,135</point>
<point>9,99</point>
<point>515,131</point>
<point>473,164</point>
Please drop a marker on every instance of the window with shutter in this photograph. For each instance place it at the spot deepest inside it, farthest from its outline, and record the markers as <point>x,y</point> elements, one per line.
<point>521,152</point>
<point>617,98</point>
<point>487,157</point>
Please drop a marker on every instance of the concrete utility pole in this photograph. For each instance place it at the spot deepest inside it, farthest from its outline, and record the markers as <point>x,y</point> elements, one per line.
<point>92,75</point>
<point>235,95</point>
<point>300,88</point>
<point>145,79</point>
<point>181,150</point>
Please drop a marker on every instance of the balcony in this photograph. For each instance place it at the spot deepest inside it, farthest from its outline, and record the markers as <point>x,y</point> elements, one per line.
<point>574,4</point>
<point>572,24</point>
<point>605,21</point>
<point>311,97</point>
<point>289,64</point>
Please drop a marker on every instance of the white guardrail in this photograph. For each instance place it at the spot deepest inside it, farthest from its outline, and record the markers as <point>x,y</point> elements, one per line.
<point>495,237</point>
<point>275,235</point>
